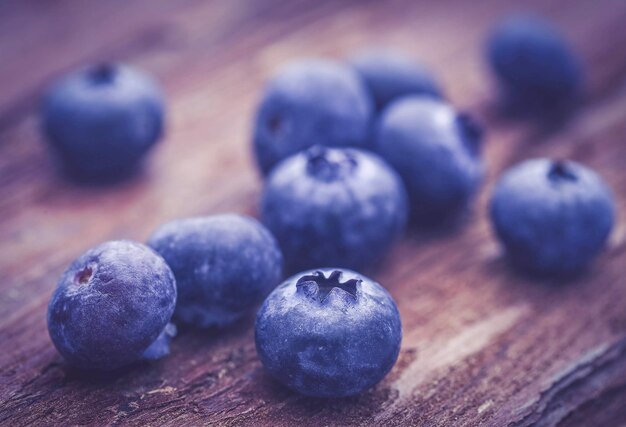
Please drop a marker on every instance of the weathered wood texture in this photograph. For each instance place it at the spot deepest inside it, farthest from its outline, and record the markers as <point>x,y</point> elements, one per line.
<point>482,345</point>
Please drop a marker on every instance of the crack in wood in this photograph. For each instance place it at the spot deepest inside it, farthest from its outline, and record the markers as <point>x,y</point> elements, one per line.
<point>577,386</point>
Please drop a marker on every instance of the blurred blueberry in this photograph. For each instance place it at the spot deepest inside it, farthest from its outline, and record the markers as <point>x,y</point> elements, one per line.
<point>110,305</point>
<point>533,64</point>
<point>328,333</point>
<point>332,206</point>
<point>224,266</point>
<point>436,151</point>
<point>553,217</point>
<point>161,346</point>
<point>310,102</point>
<point>101,121</point>
<point>389,75</point>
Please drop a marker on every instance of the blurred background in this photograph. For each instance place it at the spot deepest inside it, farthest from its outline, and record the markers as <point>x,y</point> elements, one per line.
<point>212,59</point>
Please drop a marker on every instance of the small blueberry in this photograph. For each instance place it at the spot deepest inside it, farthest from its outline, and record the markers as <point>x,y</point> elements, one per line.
<point>389,75</point>
<point>328,333</point>
<point>535,67</point>
<point>332,206</point>
<point>553,217</point>
<point>436,151</point>
<point>224,266</point>
<point>110,305</point>
<point>101,121</point>
<point>310,102</point>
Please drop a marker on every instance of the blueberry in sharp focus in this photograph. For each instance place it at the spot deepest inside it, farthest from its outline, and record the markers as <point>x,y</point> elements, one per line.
<point>328,333</point>
<point>535,67</point>
<point>110,305</point>
<point>310,102</point>
<point>102,120</point>
<point>552,217</point>
<point>436,151</point>
<point>224,266</point>
<point>389,75</point>
<point>334,206</point>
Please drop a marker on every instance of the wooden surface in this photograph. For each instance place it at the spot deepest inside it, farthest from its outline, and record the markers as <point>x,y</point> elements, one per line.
<point>482,345</point>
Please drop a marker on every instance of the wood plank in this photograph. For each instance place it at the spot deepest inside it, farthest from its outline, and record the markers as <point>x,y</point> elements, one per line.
<point>482,345</point>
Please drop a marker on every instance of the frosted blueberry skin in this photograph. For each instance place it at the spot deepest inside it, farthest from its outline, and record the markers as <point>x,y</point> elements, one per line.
<point>389,75</point>
<point>553,217</point>
<point>328,333</point>
<point>224,266</point>
<point>436,151</point>
<point>102,120</point>
<point>535,67</point>
<point>331,206</point>
<point>110,305</point>
<point>310,102</point>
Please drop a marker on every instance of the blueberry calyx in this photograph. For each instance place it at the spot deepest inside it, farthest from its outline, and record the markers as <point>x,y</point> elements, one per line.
<point>103,73</point>
<point>329,165</point>
<point>472,132</point>
<point>318,287</point>
<point>84,275</point>
<point>561,171</point>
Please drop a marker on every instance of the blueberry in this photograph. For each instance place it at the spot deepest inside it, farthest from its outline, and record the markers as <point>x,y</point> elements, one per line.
<point>310,102</point>
<point>101,121</point>
<point>224,266</point>
<point>389,75</point>
<point>533,64</point>
<point>436,151</point>
<point>328,333</point>
<point>552,217</point>
<point>161,346</point>
<point>110,305</point>
<point>334,206</point>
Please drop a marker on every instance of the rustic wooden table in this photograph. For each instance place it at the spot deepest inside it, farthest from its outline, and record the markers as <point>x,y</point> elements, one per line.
<point>482,345</point>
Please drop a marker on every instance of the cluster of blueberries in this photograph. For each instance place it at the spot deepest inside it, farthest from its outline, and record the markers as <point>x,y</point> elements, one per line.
<point>351,153</point>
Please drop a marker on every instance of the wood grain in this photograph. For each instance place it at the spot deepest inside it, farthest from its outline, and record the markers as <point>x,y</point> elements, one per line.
<point>482,344</point>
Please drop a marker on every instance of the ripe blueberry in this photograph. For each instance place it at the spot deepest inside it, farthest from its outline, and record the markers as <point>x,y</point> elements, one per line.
<point>332,206</point>
<point>389,75</point>
<point>224,266</point>
<point>310,102</point>
<point>552,217</point>
<point>110,305</point>
<point>161,346</point>
<point>436,151</point>
<point>534,66</point>
<point>328,333</point>
<point>102,120</point>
